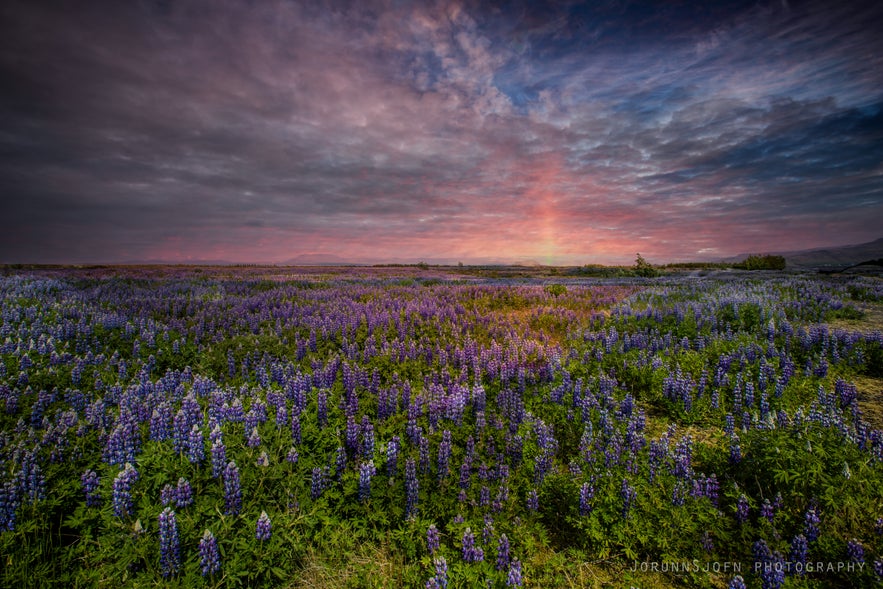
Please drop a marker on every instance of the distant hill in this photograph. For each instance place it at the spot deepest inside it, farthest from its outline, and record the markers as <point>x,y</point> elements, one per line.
<point>317,259</point>
<point>829,257</point>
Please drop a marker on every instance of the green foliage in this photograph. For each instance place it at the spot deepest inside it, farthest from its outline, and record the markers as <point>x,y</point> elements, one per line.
<point>556,290</point>
<point>644,268</point>
<point>762,262</point>
<point>724,336</point>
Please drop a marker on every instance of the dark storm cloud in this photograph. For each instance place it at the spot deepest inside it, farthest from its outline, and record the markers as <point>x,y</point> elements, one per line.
<point>564,131</point>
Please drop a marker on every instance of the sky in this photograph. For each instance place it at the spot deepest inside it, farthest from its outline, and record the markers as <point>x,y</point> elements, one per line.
<point>556,133</point>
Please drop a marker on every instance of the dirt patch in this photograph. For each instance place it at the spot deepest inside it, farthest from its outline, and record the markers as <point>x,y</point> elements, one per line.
<point>870,399</point>
<point>870,322</point>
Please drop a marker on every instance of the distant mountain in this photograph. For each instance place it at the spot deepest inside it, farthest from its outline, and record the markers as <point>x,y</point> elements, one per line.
<point>829,257</point>
<point>315,259</point>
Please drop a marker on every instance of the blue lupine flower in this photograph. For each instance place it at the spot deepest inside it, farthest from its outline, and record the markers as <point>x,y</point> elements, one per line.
<point>444,455</point>
<point>195,445</point>
<point>184,493</point>
<point>514,579</point>
<point>340,462</point>
<point>855,551</point>
<point>317,483</point>
<point>392,455</point>
<point>264,528</point>
<point>90,482</point>
<point>742,509</point>
<point>811,525</point>
<point>432,539</point>
<point>586,493</point>
<point>737,583</point>
<point>366,471</point>
<point>122,490</point>
<point>767,511</point>
<point>628,494</point>
<point>799,552</point>
<point>167,494</point>
<point>471,553</point>
<point>440,579</point>
<point>232,489</point>
<point>502,553</point>
<point>209,555</point>
<point>219,458</point>
<point>412,488</point>
<point>254,438</point>
<point>770,565</point>
<point>9,502</point>
<point>169,550</point>
<point>533,500</point>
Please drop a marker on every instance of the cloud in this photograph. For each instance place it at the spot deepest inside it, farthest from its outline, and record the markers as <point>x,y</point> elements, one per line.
<point>574,133</point>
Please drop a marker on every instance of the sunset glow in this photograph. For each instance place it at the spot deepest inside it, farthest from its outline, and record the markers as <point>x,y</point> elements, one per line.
<point>559,133</point>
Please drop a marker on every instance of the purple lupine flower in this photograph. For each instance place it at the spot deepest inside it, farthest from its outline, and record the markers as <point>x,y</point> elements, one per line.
<point>471,553</point>
<point>484,496</point>
<point>586,493</point>
<point>487,533</point>
<point>295,429</point>
<point>9,502</point>
<point>263,529</point>
<point>737,583</point>
<point>707,542</point>
<point>318,482</point>
<point>209,555</point>
<point>878,568</point>
<point>122,490</point>
<point>432,539</point>
<point>628,494</point>
<point>195,445</point>
<point>742,509</point>
<point>514,579</point>
<point>533,500</point>
<point>254,438</point>
<point>735,450</point>
<point>440,580</point>
<point>169,549</point>
<point>292,456</point>
<point>411,489</point>
<point>392,457</point>
<point>444,455</point>
<point>232,489</point>
<point>366,471</point>
<point>322,407</point>
<point>90,483</point>
<point>219,458</point>
<point>799,552</point>
<point>811,525</point>
<point>878,526</point>
<point>503,553</point>
<point>767,511</point>
<point>465,474</point>
<point>367,437</point>
<point>351,436</point>
<point>855,551</point>
<point>423,444</point>
<point>167,494</point>
<point>184,493</point>
<point>770,565</point>
<point>263,459</point>
<point>340,462</point>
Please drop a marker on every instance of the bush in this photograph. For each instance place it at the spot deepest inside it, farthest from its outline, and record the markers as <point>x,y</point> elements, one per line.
<point>758,262</point>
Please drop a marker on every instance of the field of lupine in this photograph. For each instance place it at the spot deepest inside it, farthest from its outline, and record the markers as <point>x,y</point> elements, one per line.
<point>247,427</point>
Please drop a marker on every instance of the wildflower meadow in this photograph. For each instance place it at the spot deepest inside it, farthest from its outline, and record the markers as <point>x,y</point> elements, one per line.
<point>253,427</point>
